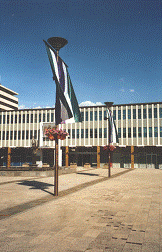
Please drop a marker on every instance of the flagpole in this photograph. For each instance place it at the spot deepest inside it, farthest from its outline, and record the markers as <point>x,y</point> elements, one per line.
<point>57,43</point>
<point>108,105</point>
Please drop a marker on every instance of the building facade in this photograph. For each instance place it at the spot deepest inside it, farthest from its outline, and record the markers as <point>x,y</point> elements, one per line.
<point>8,101</point>
<point>138,125</point>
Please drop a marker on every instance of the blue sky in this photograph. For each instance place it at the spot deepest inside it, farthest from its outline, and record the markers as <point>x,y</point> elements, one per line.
<point>113,50</point>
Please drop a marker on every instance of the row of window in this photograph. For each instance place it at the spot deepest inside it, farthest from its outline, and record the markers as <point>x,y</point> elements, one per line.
<point>86,133</point>
<point>85,116</point>
<point>150,133</point>
<point>135,116</point>
<point>25,118</point>
<point>14,135</point>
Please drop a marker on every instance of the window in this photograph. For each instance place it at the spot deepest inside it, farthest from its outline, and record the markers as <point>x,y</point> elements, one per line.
<point>134,131</point>
<point>100,132</point>
<point>155,112</point>
<point>7,119</point>
<point>11,119</point>
<point>160,131</point>
<point>35,118</point>
<point>160,112</point>
<point>145,131</point>
<point>15,118</point>
<point>19,134</point>
<point>124,114</point>
<point>144,114</point>
<point>124,132</point>
<point>139,113</point>
<point>155,131</point>
<point>23,134</point>
<point>40,117</point>
<point>52,117</point>
<point>27,134</point>
<point>44,117</point>
<point>129,113</point>
<point>73,133</point>
<point>150,131</point>
<point>31,118</point>
<point>139,132</point>
<point>0,119</point>
<point>47,117</point>
<point>15,135</point>
<point>0,135</point>
<point>91,133</point>
<point>77,133</point>
<point>69,132</point>
<point>86,116</point>
<point>91,115</point>
<point>19,118</point>
<point>119,114</point>
<point>27,118</point>
<point>150,112</point>
<point>31,134</point>
<point>119,132</point>
<point>100,115</point>
<point>105,132</point>
<point>134,113</point>
<point>35,134</point>
<point>95,133</point>
<point>105,114</point>
<point>24,118</point>
<point>114,114</point>
<point>4,119</point>
<point>129,132</point>
<point>82,133</point>
<point>86,133</point>
<point>82,116</point>
<point>3,135</point>
<point>7,136</point>
<point>11,135</point>
<point>95,115</point>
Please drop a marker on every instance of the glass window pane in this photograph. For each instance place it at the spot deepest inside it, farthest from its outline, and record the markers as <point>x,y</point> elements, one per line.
<point>134,113</point>
<point>119,132</point>
<point>124,114</point>
<point>119,114</point>
<point>155,112</point>
<point>150,113</point>
<point>144,131</point>
<point>155,131</point>
<point>144,114</point>
<point>129,113</point>
<point>150,131</point>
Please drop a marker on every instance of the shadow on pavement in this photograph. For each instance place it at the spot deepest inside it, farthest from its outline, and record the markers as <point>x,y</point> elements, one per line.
<point>89,174</point>
<point>36,185</point>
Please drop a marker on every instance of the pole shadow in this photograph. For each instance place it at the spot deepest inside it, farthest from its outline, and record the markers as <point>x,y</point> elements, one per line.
<point>36,185</point>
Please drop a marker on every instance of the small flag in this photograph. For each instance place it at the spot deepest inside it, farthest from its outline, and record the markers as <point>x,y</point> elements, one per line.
<point>113,135</point>
<point>66,107</point>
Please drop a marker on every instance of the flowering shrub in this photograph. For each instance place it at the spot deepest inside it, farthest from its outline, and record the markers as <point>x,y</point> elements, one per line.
<point>52,134</point>
<point>109,147</point>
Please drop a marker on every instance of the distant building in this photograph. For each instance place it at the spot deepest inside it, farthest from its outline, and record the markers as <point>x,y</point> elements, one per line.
<point>139,129</point>
<point>8,101</point>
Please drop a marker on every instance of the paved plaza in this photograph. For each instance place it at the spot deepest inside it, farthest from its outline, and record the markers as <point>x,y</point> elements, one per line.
<point>92,213</point>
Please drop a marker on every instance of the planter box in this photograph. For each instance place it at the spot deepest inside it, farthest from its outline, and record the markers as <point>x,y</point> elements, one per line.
<point>87,165</point>
<point>73,165</point>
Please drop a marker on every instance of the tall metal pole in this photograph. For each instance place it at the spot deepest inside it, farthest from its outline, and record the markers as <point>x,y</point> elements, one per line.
<point>57,43</point>
<point>108,105</point>
<point>56,157</point>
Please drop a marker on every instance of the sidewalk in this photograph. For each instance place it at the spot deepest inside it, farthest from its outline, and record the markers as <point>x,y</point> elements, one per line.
<point>119,214</point>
